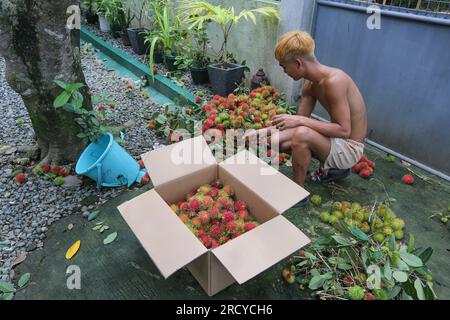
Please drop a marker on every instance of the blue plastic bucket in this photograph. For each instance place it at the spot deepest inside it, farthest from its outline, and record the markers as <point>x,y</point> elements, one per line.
<point>106,162</point>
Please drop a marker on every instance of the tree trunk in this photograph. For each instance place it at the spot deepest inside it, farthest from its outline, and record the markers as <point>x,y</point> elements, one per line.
<point>38,48</point>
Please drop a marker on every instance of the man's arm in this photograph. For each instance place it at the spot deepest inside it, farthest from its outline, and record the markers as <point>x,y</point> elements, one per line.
<point>339,109</point>
<point>307,102</point>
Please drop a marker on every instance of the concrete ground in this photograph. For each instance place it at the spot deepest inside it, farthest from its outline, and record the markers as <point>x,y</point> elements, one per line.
<point>123,270</point>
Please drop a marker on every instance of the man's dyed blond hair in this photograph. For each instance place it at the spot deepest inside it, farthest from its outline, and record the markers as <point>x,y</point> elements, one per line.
<point>295,44</point>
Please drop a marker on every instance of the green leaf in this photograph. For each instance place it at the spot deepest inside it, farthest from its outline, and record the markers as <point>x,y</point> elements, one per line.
<point>24,279</point>
<point>93,215</point>
<point>429,292</point>
<point>400,276</point>
<point>388,270</point>
<point>104,228</point>
<point>60,83</point>
<point>374,280</point>
<point>82,135</point>
<point>410,259</point>
<point>380,294</point>
<point>6,287</point>
<point>357,232</point>
<point>97,227</point>
<point>411,243</point>
<point>394,292</point>
<point>344,266</point>
<point>161,119</point>
<point>315,272</point>
<point>74,86</point>
<point>419,289</point>
<point>377,255</point>
<point>310,256</point>
<point>426,255</point>
<point>110,238</point>
<point>303,263</point>
<point>61,100</point>
<point>402,265</point>
<point>343,241</point>
<point>392,242</point>
<point>316,282</point>
<point>7,296</point>
<point>94,121</point>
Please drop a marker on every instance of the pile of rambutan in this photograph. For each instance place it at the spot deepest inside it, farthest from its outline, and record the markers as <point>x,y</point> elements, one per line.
<point>364,167</point>
<point>381,222</point>
<point>214,215</point>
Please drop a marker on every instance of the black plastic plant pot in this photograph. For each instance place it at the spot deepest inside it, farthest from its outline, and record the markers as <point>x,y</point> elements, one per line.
<point>137,39</point>
<point>91,18</point>
<point>158,57</point>
<point>225,78</point>
<point>200,75</point>
<point>169,62</point>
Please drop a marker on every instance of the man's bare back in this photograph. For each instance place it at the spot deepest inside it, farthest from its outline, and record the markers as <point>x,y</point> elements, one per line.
<point>317,91</point>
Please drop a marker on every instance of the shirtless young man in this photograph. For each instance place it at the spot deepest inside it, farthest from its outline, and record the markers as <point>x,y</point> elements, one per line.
<point>338,144</point>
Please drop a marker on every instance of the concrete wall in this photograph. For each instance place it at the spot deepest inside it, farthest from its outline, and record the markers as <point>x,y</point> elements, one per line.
<point>403,72</point>
<point>256,44</point>
<point>253,43</point>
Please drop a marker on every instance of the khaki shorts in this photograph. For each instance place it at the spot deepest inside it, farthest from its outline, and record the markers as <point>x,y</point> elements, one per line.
<point>344,153</point>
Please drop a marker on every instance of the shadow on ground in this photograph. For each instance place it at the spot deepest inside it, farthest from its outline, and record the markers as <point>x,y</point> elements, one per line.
<point>123,270</point>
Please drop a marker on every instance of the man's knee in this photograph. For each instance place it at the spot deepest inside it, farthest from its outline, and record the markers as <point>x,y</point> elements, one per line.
<point>301,137</point>
<point>285,146</point>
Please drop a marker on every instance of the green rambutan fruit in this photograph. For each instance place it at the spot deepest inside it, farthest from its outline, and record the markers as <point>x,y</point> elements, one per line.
<point>336,205</point>
<point>325,216</point>
<point>338,214</point>
<point>387,231</point>
<point>355,206</point>
<point>347,213</point>
<point>364,227</point>
<point>346,204</point>
<point>356,293</point>
<point>59,181</point>
<point>398,224</point>
<point>316,200</point>
<point>358,216</point>
<point>333,219</point>
<point>398,234</point>
<point>378,237</point>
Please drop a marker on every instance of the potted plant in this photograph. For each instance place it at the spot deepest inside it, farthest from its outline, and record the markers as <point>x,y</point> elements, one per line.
<point>116,16</point>
<point>137,35</point>
<point>91,15</point>
<point>169,34</point>
<point>101,11</point>
<point>195,57</point>
<point>224,76</point>
<point>158,54</point>
<point>125,22</point>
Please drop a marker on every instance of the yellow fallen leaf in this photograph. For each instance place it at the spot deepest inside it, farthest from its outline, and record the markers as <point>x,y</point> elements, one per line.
<point>73,250</point>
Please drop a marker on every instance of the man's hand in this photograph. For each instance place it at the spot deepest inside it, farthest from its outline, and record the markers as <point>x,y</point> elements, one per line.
<point>286,121</point>
<point>260,135</point>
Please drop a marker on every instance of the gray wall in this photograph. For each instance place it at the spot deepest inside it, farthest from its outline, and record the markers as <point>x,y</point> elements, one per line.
<point>256,44</point>
<point>403,72</point>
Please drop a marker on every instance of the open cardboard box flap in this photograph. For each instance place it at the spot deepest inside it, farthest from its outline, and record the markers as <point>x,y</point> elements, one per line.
<point>275,188</point>
<point>177,160</point>
<point>257,250</point>
<point>166,239</point>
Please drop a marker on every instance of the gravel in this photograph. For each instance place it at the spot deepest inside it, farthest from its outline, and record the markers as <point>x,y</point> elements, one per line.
<point>185,80</point>
<point>27,210</point>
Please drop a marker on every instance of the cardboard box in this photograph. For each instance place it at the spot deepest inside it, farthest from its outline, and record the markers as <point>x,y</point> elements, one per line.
<point>172,246</point>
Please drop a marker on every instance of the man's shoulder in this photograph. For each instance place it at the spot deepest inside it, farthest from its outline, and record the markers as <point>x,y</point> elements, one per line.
<point>336,79</point>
